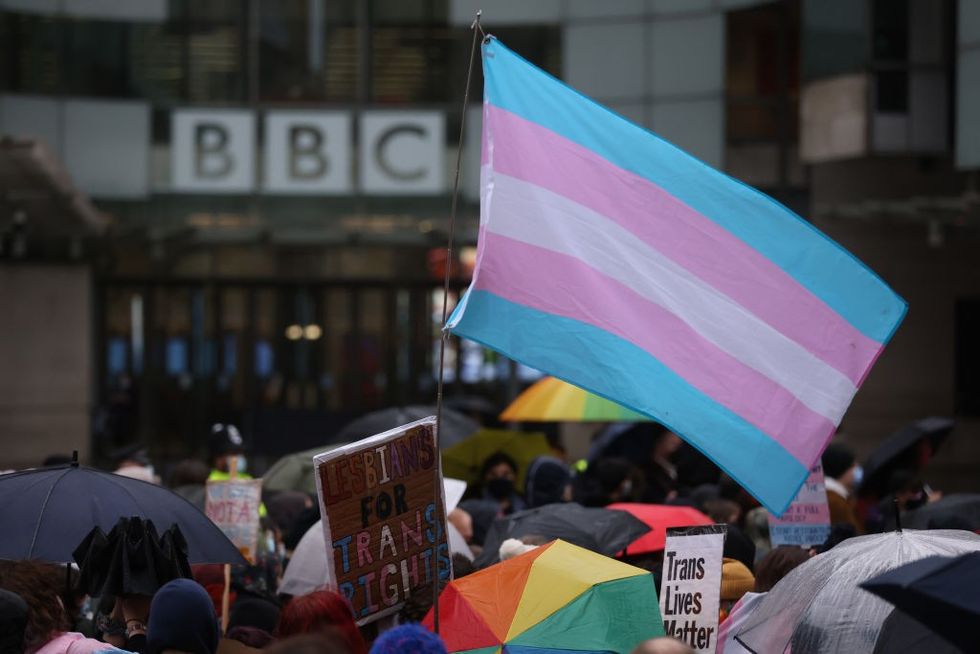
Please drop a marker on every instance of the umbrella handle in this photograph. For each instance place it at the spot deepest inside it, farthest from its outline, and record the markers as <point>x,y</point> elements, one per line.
<point>898,516</point>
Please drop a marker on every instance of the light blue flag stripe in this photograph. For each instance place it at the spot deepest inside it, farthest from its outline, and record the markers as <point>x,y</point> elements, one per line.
<point>820,265</point>
<point>614,368</point>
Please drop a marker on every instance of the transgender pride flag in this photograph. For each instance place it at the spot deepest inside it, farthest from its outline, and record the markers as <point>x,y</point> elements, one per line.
<point>615,261</point>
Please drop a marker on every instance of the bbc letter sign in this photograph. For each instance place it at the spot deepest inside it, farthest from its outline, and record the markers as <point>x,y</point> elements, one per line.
<point>213,151</point>
<point>402,152</point>
<point>308,153</point>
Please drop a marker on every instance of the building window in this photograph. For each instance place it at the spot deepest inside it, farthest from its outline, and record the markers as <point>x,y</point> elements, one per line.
<point>835,38</point>
<point>762,95</point>
<point>909,76</point>
<point>31,53</point>
<point>308,51</point>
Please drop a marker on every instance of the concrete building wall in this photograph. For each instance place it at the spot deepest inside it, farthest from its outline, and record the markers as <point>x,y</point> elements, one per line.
<point>915,376</point>
<point>659,63</point>
<point>967,88</point>
<point>45,362</point>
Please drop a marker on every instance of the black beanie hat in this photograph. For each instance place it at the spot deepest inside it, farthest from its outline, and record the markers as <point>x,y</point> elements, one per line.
<point>837,459</point>
<point>547,478</point>
<point>13,621</point>
<point>183,618</point>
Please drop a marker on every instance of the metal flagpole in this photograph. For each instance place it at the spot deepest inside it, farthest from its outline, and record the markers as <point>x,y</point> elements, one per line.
<point>475,26</point>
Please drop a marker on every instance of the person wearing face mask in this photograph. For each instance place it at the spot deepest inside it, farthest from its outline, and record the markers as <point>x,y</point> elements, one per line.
<point>498,477</point>
<point>842,477</point>
<point>494,496</point>
<point>226,446</point>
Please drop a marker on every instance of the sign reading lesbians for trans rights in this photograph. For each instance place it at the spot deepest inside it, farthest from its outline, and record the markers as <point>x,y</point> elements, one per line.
<point>384,530</point>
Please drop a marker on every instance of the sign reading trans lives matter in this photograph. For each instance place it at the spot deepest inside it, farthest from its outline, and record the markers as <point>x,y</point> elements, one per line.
<point>807,520</point>
<point>385,533</point>
<point>691,585</point>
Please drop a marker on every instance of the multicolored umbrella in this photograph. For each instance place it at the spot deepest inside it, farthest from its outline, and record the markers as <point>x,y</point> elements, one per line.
<point>659,517</point>
<point>555,598</point>
<point>552,400</point>
<point>464,460</point>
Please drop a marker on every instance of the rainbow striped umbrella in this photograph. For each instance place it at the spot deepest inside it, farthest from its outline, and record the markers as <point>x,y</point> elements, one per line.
<point>552,400</point>
<point>555,598</point>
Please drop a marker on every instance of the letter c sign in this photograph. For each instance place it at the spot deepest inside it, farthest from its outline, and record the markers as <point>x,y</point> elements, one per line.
<point>402,153</point>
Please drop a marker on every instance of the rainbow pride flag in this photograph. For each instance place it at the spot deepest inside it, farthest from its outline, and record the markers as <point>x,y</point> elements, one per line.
<point>615,261</point>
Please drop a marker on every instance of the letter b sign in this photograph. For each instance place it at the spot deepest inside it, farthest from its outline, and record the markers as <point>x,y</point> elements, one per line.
<point>213,151</point>
<point>307,152</point>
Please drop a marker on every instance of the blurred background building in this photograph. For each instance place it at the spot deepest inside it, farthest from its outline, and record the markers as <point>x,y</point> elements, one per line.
<point>236,209</point>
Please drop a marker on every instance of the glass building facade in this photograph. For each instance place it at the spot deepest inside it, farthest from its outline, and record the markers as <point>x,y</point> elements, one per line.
<point>289,302</point>
<point>287,313</point>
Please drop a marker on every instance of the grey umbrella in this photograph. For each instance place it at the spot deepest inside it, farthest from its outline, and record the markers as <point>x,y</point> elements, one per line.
<point>294,472</point>
<point>898,450</point>
<point>455,426</point>
<point>819,607</point>
<point>903,634</point>
<point>959,507</point>
<point>600,530</point>
<point>939,592</point>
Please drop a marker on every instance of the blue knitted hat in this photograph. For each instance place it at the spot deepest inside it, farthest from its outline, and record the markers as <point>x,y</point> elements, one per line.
<point>408,639</point>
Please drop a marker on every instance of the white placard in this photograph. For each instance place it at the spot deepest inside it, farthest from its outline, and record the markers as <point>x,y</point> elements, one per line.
<point>213,150</point>
<point>233,505</point>
<point>807,520</point>
<point>691,585</point>
<point>308,152</point>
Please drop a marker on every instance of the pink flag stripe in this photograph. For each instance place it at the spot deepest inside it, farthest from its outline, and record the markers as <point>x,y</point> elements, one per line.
<point>535,154</point>
<point>554,283</point>
<point>565,226</point>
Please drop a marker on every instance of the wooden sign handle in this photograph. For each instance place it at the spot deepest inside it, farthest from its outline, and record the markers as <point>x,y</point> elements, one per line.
<point>226,594</point>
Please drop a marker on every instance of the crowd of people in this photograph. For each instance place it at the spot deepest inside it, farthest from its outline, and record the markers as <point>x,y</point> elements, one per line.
<point>43,611</point>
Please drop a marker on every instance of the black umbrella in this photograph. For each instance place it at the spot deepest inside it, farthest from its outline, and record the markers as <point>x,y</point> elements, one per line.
<point>472,404</point>
<point>938,591</point>
<point>629,440</point>
<point>46,512</point>
<point>131,559</point>
<point>898,450</point>
<point>455,426</point>
<point>902,634</point>
<point>957,511</point>
<point>600,530</point>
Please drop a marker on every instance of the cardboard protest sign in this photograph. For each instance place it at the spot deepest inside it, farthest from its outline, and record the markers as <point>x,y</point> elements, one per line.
<point>385,533</point>
<point>233,505</point>
<point>807,520</point>
<point>691,585</point>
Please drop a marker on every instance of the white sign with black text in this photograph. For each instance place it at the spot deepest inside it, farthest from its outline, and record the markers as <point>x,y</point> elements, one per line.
<point>691,585</point>
<point>213,150</point>
<point>308,152</point>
